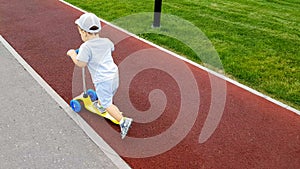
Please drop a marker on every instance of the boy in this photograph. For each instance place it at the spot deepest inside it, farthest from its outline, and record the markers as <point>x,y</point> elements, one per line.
<point>96,53</point>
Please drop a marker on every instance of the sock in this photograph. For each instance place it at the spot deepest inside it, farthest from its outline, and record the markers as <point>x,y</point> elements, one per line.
<point>122,121</point>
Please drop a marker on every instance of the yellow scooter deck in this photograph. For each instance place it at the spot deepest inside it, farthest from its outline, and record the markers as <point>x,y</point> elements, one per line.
<point>88,104</point>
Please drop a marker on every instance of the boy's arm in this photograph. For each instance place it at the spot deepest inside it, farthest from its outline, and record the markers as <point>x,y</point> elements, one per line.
<point>72,53</point>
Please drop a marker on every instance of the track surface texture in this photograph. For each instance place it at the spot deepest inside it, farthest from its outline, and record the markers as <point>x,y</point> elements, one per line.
<point>231,127</point>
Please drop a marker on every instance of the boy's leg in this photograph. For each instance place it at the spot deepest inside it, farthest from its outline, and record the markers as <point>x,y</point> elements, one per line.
<point>112,110</point>
<point>105,92</point>
<point>115,112</point>
<point>125,123</point>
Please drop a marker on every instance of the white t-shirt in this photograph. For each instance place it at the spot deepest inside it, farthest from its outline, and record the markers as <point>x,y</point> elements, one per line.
<point>97,53</point>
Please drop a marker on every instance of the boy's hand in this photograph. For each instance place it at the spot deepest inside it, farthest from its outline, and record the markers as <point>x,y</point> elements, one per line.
<point>71,53</point>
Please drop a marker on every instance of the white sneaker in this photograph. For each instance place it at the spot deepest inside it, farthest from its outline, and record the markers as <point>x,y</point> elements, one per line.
<point>125,126</point>
<point>101,109</point>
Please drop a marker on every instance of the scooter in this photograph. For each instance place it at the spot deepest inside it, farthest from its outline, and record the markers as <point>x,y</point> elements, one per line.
<point>87,98</point>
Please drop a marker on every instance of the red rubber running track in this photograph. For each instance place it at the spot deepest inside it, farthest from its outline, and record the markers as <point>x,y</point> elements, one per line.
<point>252,133</point>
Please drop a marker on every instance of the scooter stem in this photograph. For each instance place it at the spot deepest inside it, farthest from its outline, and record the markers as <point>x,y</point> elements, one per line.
<point>83,82</point>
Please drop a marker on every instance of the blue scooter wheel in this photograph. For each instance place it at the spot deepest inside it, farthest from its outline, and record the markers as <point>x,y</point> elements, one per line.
<point>92,94</point>
<point>75,105</point>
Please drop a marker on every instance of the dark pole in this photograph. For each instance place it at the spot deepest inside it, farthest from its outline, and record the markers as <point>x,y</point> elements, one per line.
<point>157,11</point>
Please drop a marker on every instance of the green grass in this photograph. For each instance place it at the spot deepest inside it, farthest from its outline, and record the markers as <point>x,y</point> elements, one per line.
<point>257,41</point>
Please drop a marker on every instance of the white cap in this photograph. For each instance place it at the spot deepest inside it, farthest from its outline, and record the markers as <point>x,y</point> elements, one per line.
<point>89,22</point>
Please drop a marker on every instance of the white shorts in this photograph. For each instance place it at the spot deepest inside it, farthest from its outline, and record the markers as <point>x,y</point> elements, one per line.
<point>106,91</point>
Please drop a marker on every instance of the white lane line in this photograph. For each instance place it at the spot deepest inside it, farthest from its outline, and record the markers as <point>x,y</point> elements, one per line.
<point>197,65</point>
